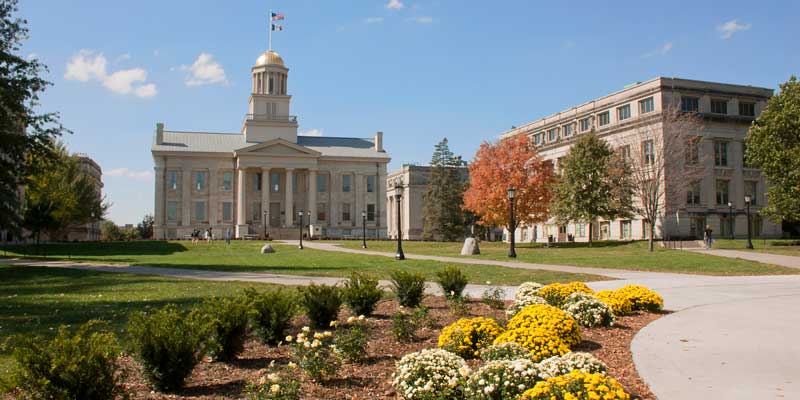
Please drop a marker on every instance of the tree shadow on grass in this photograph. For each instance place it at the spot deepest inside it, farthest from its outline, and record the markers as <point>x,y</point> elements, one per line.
<point>100,249</point>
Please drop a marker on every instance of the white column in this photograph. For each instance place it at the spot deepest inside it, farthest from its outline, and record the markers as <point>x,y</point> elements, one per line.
<point>289,206</point>
<point>241,223</point>
<point>159,217</point>
<point>186,197</point>
<point>265,189</point>
<point>312,196</point>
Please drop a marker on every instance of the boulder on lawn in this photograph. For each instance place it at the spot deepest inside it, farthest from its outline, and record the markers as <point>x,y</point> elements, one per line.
<point>470,247</point>
<point>267,249</point>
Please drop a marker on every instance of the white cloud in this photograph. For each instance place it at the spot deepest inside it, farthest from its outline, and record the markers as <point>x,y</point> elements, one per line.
<point>729,28</point>
<point>422,20</point>
<point>663,50</point>
<point>373,20</point>
<point>395,5</point>
<point>123,172</point>
<point>312,132</point>
<point>86,66</point>
<point>204,71</point>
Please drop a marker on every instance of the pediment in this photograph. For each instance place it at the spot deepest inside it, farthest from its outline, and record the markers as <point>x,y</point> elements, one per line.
<point>278,147</point>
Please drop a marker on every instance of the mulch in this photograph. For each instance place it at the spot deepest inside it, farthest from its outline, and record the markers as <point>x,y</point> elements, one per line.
<point>372,378</point>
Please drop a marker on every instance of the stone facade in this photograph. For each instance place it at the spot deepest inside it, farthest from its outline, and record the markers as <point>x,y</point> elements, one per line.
<point>91,230</point>
<point>727,111</point>
<point>255,182</point>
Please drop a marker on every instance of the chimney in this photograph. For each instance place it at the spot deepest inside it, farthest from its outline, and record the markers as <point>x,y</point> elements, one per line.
<point>379,141</point>
<point>160,133</point>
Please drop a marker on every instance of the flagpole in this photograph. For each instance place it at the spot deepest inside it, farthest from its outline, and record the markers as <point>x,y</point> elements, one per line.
<point>270,29</point>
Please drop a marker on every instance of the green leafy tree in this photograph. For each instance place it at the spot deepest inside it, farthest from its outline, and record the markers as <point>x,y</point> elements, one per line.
<point>773,144</point>
<point>442,211</point>
<point>23,131</point>
<point>594,183</point>
<point>145,228</point>
<point>59,194</point>
<point>109,231</point>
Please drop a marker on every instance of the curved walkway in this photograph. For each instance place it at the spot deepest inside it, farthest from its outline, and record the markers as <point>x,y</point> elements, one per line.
<point>767,258</point>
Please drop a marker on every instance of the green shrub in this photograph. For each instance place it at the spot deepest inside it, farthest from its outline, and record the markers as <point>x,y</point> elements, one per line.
<point>274,386</point>
<point>315,354</point>
<point>406,324</point>
<point>452,281</point>
<point>229,318</point>
<point>408,287</point>
<point>361,293</point>
<point>271,312</point>
<point>352,338</point>
<point>322,303</point>
<point>169,343</point>
<point>494,297</point>
<point>79,366</point>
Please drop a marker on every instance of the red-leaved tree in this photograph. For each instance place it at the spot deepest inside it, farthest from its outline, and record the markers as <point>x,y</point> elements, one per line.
<point>508,163</point>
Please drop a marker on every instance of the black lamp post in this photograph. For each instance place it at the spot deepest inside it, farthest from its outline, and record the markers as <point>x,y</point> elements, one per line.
<point>512,252</point>
<point>398,193</point>
<point>363,229</point>
<point>264,221</point>
<point>731,224</point>
<point>747,200</point>
<point>300,215</point>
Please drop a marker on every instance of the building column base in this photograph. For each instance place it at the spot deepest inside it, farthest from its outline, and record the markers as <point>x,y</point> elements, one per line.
<point>241,230</point>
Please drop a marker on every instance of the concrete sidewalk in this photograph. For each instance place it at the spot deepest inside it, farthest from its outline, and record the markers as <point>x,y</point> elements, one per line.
<point>766,258</point>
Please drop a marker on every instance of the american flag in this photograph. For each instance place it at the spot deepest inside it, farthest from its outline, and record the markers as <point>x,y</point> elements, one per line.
<point>277,17</point>
<point>277,27</point>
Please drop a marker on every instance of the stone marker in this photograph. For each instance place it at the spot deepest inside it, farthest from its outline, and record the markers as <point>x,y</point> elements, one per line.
<point>267,249</point>
<point>470,247</point>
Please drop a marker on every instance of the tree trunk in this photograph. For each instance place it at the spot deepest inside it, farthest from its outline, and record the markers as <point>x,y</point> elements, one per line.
<point>652,233</point>
<point>590,233</point>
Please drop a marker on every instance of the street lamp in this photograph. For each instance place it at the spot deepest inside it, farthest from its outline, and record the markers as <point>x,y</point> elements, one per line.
<point>398,194</point>
<point>511,227</point>
<point>264,222</point>
<point>747,201</point>
<point>363,229</point>
<point>731,224</point>
<point>300,215</point>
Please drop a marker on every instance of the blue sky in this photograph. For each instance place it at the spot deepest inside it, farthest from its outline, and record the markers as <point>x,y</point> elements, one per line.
<point>417,70</point>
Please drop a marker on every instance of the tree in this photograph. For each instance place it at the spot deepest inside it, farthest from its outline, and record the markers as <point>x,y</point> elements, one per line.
<point>511,162</point>
<point>109,231</point>
<point>442,212</point>
<point>773,144</point>
<point>595,182</point>
<point>145,228</point>
<point>665,163</point>
<point>23,131</point>
<point>59,195</point>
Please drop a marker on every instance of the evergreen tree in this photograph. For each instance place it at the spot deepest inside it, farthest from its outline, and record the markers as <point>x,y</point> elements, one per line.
<point>145,228</point>
<point>773,144</point>
<point>442,212</point>
<point>594,183</point>
<point>22,131</point>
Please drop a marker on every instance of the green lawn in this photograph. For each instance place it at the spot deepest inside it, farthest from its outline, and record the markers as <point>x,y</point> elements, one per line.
<point>36,300</point>
<point>611,254</point>
<point>244,256</point>
<point>771,246</point>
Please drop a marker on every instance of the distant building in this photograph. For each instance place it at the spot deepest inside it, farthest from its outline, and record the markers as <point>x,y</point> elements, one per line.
<point>90,230</point>
<point>727,110</point>
<point>414,181</point>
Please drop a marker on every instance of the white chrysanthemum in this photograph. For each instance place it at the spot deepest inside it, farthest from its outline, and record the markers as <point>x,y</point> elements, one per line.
<point>560,365</point>
<point>429,373</point>
<point>588,310</point>
<point>508,378</point>
<point>522,302</point>
<point>527,289</point>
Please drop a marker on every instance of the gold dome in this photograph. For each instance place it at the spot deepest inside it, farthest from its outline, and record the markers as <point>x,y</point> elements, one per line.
<point>269,58</point>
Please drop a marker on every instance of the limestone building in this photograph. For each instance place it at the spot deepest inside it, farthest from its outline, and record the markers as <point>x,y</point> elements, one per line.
<point>727,111</point>
<point>90,230</point>
<point>257,181</point>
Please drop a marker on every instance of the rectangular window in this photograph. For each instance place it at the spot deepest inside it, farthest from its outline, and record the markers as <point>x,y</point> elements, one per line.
<point>227,181</point>
<point>719,106</point>
<point>321,212</point>
<point>649,153</point>
<point>275,178</point>
<point>580,230</point>
<point>370,183</point>
<point>625,152</point>
<point>256,211</point>
<point>625,230</point>
<point>322,184</point>
<point>751,189</point>
<point>693,194</point>
<point>690,104</point>
<point>624,112</point>
<point>257,181</point>
<point>586,124</point>
<point>552,135</point>
<point>537,139</point>
<point>370,212</point>
<point>693,151</point>
<point>172,179</point>
<point>605,118</point>
<point>567,129</point>
<point>227,211</point>
<point>720,154</point>
<point>722,192</point>
<point>345,211</point>
<point>172,211</point>
<point>200,180</point>
<point>646,105</point>
<point>200,210</point>
<point>345,183</point>
<point>747,109</point>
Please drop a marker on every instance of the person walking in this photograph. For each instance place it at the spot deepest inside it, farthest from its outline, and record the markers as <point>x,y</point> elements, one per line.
<point>228,236</point>
<point>195,234</point>
<point>708,239</point>
<point>209,235</point>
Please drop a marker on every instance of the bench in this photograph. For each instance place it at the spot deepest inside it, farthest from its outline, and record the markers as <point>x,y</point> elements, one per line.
<point>249,237</point>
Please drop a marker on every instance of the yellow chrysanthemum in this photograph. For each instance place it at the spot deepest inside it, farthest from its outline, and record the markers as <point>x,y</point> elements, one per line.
<point>577,385</point>
<point>556,293</point>
<point>543,330</point>
<point>468,336</point>
<point>619,303</point>
<point>642,298</point>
